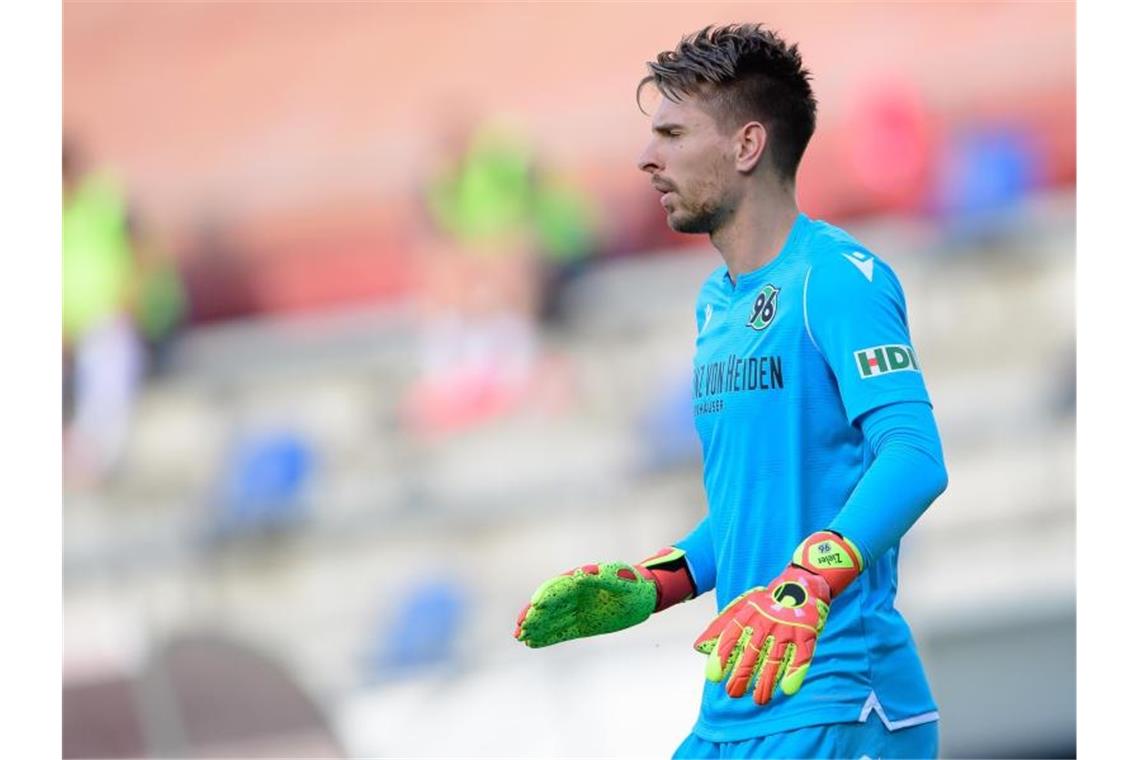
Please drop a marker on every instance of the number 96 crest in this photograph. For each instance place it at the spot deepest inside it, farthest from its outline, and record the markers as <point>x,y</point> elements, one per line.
<point>764,310</point>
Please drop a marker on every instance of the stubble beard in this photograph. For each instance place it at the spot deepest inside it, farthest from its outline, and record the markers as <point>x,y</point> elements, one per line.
<point>706,219</point>
<point>711,208</point>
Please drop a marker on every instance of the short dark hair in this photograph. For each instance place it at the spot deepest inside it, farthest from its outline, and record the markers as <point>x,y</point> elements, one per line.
<point>746,72</point>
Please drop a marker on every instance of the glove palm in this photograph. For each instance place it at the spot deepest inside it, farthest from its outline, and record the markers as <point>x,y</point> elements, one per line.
<point>767,635</point>
<point>586,601</point>
<point>595,599</point>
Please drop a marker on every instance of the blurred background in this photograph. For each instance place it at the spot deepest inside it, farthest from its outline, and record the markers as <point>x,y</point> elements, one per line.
<point>351,364</point>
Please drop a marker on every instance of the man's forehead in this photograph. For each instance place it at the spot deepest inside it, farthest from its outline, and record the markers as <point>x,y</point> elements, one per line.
<point>685,112</point>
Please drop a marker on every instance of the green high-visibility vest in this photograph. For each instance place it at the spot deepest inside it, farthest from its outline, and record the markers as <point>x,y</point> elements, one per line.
<point>97,262</point>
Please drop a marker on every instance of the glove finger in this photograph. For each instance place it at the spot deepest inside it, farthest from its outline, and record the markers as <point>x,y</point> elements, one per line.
<point>532,627</point>
<point>714,669</point>
<point>558,588</point>
<point>789,654</point>
<point>540,636</point>
<point>726,652</point>
<point>802,653</point>
<point>542,621</point>
<point>519,621</point>
<point>549,592</point>
<point>704,646</point>
<point>561,596</point>
<point>769,669</point>
<point>706,641</point>
<point>744,674</point>
<point>543,630</point>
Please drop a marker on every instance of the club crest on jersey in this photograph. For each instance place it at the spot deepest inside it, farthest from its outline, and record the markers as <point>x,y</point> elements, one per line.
<point>764,310</point>
<point>881,360</point>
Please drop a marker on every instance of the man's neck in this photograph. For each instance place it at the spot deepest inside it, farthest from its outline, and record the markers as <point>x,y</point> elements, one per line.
<point>757,230</point>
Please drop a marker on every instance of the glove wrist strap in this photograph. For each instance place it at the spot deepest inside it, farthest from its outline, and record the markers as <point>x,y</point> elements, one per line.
<point>831,556</point>
<point>670,572</point>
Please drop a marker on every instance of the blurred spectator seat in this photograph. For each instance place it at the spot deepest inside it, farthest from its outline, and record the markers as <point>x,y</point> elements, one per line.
<point>425,630</point>
<point>100,719</point>
<point>263,485</point>
<point>668,436</point>
<point>987,171</point>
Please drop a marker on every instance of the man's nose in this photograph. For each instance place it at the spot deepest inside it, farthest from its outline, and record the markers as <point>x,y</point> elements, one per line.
<point>648,161</point>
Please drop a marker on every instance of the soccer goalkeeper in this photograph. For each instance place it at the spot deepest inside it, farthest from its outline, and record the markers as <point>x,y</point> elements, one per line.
<point>819,444</point>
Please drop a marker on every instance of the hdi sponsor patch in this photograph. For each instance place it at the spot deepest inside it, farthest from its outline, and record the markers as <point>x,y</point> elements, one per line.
<point>883,359</point>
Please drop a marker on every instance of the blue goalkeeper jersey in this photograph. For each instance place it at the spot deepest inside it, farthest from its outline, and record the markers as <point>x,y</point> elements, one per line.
<point>787,360</point>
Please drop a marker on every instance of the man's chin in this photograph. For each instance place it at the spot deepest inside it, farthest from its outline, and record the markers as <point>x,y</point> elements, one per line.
<point>685,224</point>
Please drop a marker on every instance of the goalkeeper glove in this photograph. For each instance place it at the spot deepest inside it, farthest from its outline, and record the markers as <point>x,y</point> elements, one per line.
<point>767,635</point>
<point>602,598</point>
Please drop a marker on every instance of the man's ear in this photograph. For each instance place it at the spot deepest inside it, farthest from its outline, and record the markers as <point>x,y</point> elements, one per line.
<point>751,140</point>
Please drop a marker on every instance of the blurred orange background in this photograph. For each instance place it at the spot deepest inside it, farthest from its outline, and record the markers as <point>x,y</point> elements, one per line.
<point>308,126</point>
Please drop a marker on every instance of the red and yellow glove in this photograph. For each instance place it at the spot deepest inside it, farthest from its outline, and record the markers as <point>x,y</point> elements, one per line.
<point>767,635</point>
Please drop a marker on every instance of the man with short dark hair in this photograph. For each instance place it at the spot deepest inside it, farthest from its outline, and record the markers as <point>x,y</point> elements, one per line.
<point>820,449</point>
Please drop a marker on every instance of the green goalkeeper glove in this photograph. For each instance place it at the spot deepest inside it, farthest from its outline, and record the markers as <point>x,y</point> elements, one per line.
<point>767,635</point>
<point>603,598</point>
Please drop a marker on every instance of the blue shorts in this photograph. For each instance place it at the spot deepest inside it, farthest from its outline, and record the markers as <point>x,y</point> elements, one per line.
<point>868,739</point>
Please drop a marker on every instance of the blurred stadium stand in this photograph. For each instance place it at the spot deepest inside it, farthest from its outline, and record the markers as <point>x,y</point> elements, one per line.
<point>198,696</point>
<point>540,490</point>
<point>316,180</point>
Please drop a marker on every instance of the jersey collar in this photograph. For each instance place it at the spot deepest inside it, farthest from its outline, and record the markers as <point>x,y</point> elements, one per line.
<point>799,228</point>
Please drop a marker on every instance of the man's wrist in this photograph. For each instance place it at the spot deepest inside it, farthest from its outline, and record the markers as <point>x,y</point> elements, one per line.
<point>831,556</point>
<point>670,572</point>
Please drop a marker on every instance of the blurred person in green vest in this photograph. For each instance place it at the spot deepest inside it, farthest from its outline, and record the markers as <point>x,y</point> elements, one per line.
<point>158,299</point>
<point>497,199</point>
<point>566,225</point>
<point>497,227</point>
<point>102,351</point>
<point>481,193</point>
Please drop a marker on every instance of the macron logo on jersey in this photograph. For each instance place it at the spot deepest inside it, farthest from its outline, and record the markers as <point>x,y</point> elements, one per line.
<point>880,360</point>
<point>862,262</point>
